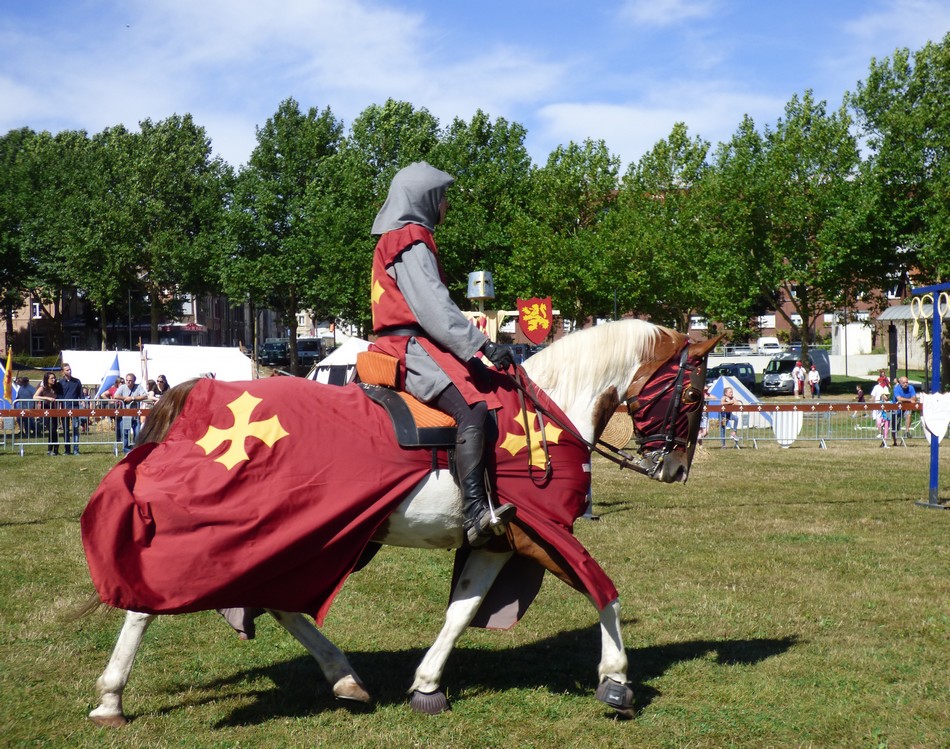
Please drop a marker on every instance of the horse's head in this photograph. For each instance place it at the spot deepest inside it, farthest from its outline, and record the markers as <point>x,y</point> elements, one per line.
<point>665,401</point>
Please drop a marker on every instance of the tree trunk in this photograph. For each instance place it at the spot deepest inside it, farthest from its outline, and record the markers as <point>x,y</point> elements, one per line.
<point>103,329</point>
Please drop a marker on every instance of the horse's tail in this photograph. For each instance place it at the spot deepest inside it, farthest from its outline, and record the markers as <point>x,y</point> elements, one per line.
<point>163,415</point>
<point>84,608</point>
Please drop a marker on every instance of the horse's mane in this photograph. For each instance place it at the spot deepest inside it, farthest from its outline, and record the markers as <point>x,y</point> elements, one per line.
<point>589,360</point>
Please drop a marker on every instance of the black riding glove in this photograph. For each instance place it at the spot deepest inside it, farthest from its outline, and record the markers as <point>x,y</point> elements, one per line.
<point>498,355</point>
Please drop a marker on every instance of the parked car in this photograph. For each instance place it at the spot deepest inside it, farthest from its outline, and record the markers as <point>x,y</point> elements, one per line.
<point>769,345</point>
<point>309,351</point>
<point>739,349</point>
<point>742,371</point>
<point>275,353</point>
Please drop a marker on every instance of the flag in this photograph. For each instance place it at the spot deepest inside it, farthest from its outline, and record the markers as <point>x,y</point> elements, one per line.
<point>8,379</point>
<point>111,375</point>
<point>534,318</point>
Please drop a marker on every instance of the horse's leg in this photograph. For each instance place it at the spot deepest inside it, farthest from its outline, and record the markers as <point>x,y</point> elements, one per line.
<point>481,569</point>
<point>113,680</point>
<point>333,663</point>
<point>612,670</point>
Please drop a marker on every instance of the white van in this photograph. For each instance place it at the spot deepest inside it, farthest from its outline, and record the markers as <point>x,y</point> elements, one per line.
<point>768,345</point>
<point>777,376</point>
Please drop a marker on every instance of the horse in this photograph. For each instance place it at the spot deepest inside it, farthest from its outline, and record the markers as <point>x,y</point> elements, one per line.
<point>588,375</point>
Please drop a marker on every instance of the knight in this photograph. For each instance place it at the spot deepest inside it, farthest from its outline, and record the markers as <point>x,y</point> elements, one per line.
<point>417,322</point>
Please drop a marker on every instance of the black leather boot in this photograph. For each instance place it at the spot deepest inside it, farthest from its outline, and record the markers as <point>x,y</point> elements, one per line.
<point>476,515</point>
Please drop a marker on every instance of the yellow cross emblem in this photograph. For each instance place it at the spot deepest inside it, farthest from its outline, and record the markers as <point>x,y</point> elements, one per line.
<point>267,431</point>
<point>515,443</point>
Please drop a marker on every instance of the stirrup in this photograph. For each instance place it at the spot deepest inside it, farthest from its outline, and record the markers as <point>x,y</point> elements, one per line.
<point>489,524</point>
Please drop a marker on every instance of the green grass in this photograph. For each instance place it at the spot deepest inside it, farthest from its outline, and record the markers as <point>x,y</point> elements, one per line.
<point>782,598</point>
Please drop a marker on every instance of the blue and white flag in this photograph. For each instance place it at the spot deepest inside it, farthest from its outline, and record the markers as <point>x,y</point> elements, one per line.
<point>111,375</point>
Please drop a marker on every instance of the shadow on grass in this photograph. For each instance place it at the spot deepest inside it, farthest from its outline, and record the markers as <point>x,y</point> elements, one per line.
<point>564,663</point>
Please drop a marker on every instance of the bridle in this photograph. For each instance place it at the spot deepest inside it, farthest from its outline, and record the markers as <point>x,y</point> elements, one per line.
<point>667,382</point>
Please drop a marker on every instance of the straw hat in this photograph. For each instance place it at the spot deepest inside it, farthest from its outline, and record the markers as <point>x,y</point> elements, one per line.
<point>619,431</point>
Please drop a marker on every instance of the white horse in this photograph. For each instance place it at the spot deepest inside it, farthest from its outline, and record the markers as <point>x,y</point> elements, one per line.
<point>656,372</point>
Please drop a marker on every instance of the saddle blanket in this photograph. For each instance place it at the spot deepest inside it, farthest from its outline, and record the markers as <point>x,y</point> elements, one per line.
<point>265,493</point>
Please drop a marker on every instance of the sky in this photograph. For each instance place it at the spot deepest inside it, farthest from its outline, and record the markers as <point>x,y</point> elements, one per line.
<point>621,71</point>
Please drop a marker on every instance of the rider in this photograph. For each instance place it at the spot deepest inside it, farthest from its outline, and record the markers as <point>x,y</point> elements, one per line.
<point>418,323</point>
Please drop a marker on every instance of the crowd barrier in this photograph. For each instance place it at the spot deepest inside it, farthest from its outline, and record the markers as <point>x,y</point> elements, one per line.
<point>67,426</point>
<point>816,422</point>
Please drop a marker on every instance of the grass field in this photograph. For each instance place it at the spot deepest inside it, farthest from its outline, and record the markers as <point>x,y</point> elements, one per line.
<point>782,598</point>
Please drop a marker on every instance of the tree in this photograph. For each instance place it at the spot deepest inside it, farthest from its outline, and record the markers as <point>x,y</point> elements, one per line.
<point>791,220</point>
<point>15,198</point>
<point>492,169</point>
<point>902,108</point>
<point>273,262</point>
<point>659,233</point>
<point>560,249</point>
<point>176,199</point>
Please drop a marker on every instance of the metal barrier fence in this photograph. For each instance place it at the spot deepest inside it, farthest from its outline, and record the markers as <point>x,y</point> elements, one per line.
<point>751,425</point>
<point>66,426</point>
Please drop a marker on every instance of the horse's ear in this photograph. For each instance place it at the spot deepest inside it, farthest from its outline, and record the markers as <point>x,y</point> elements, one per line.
<point>701,348</point>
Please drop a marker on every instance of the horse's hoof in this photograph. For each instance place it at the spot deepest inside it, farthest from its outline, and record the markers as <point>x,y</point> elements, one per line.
<point>349,689</point>
<point>432,703</point>
<point>618,696</point>
<point>109,721</point>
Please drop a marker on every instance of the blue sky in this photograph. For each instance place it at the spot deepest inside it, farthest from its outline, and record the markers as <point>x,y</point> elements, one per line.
<point>622,71</point>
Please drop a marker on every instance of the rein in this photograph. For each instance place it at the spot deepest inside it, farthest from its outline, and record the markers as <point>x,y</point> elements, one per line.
<point>647,464</point>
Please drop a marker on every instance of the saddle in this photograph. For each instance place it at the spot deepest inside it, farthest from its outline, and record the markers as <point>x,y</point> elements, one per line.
<point>414,423</point>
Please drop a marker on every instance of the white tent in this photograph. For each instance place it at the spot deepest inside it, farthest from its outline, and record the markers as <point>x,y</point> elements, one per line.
<point>337,368</point>
<point>742,394</point>
<point>177,363</point>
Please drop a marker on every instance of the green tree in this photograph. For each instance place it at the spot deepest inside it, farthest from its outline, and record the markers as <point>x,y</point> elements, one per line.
<point>15,199</point>
<point>273,262</point>
<point>659,235</point>
<point>177,199</point>
<point>902,109</point>
<point>560,249</point>
<point>492,169</point>
<point>792,220</point>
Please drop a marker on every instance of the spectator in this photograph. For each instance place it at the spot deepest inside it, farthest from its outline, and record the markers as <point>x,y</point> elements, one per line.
<point>881,394</point>
<point>859,394</point>
<point>159,387</point>
<point>46,392</point>
<point>728,418</point>
<point>798,380</point>
<point>24,398</point>
<point>131,396</point>
<point>69,389</point>
<point>905,396</point>
<point>884,380</point>
<point>814,381</point>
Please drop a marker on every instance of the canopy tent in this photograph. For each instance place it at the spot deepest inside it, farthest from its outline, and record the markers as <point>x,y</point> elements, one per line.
<point>337,368</point>
<point>754,419</point>
<point>177,363</point>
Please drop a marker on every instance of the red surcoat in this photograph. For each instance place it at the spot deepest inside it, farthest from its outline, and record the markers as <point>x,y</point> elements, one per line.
<point>390,310</point>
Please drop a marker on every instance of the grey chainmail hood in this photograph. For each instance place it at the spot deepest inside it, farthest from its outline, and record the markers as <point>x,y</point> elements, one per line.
<point>414,197</point>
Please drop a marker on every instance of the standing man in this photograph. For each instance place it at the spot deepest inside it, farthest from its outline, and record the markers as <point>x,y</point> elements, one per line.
<point>131,396</point>
<point>69,389</point>
<point>798,380</point>
<point>814,381</point>
<point>418,323</point>
<point>905,396</point>
<point>24,398</point>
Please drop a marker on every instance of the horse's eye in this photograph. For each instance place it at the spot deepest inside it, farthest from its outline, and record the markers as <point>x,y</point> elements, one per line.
<point>692,395</point>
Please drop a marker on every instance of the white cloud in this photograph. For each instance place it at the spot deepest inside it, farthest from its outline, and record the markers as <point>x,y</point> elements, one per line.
<point>665,12</point>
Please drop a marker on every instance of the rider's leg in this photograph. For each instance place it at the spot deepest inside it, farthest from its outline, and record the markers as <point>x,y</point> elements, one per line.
<point>470,464</point>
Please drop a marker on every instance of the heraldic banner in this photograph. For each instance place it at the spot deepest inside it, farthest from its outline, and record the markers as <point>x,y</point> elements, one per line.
<point>534,318</point>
